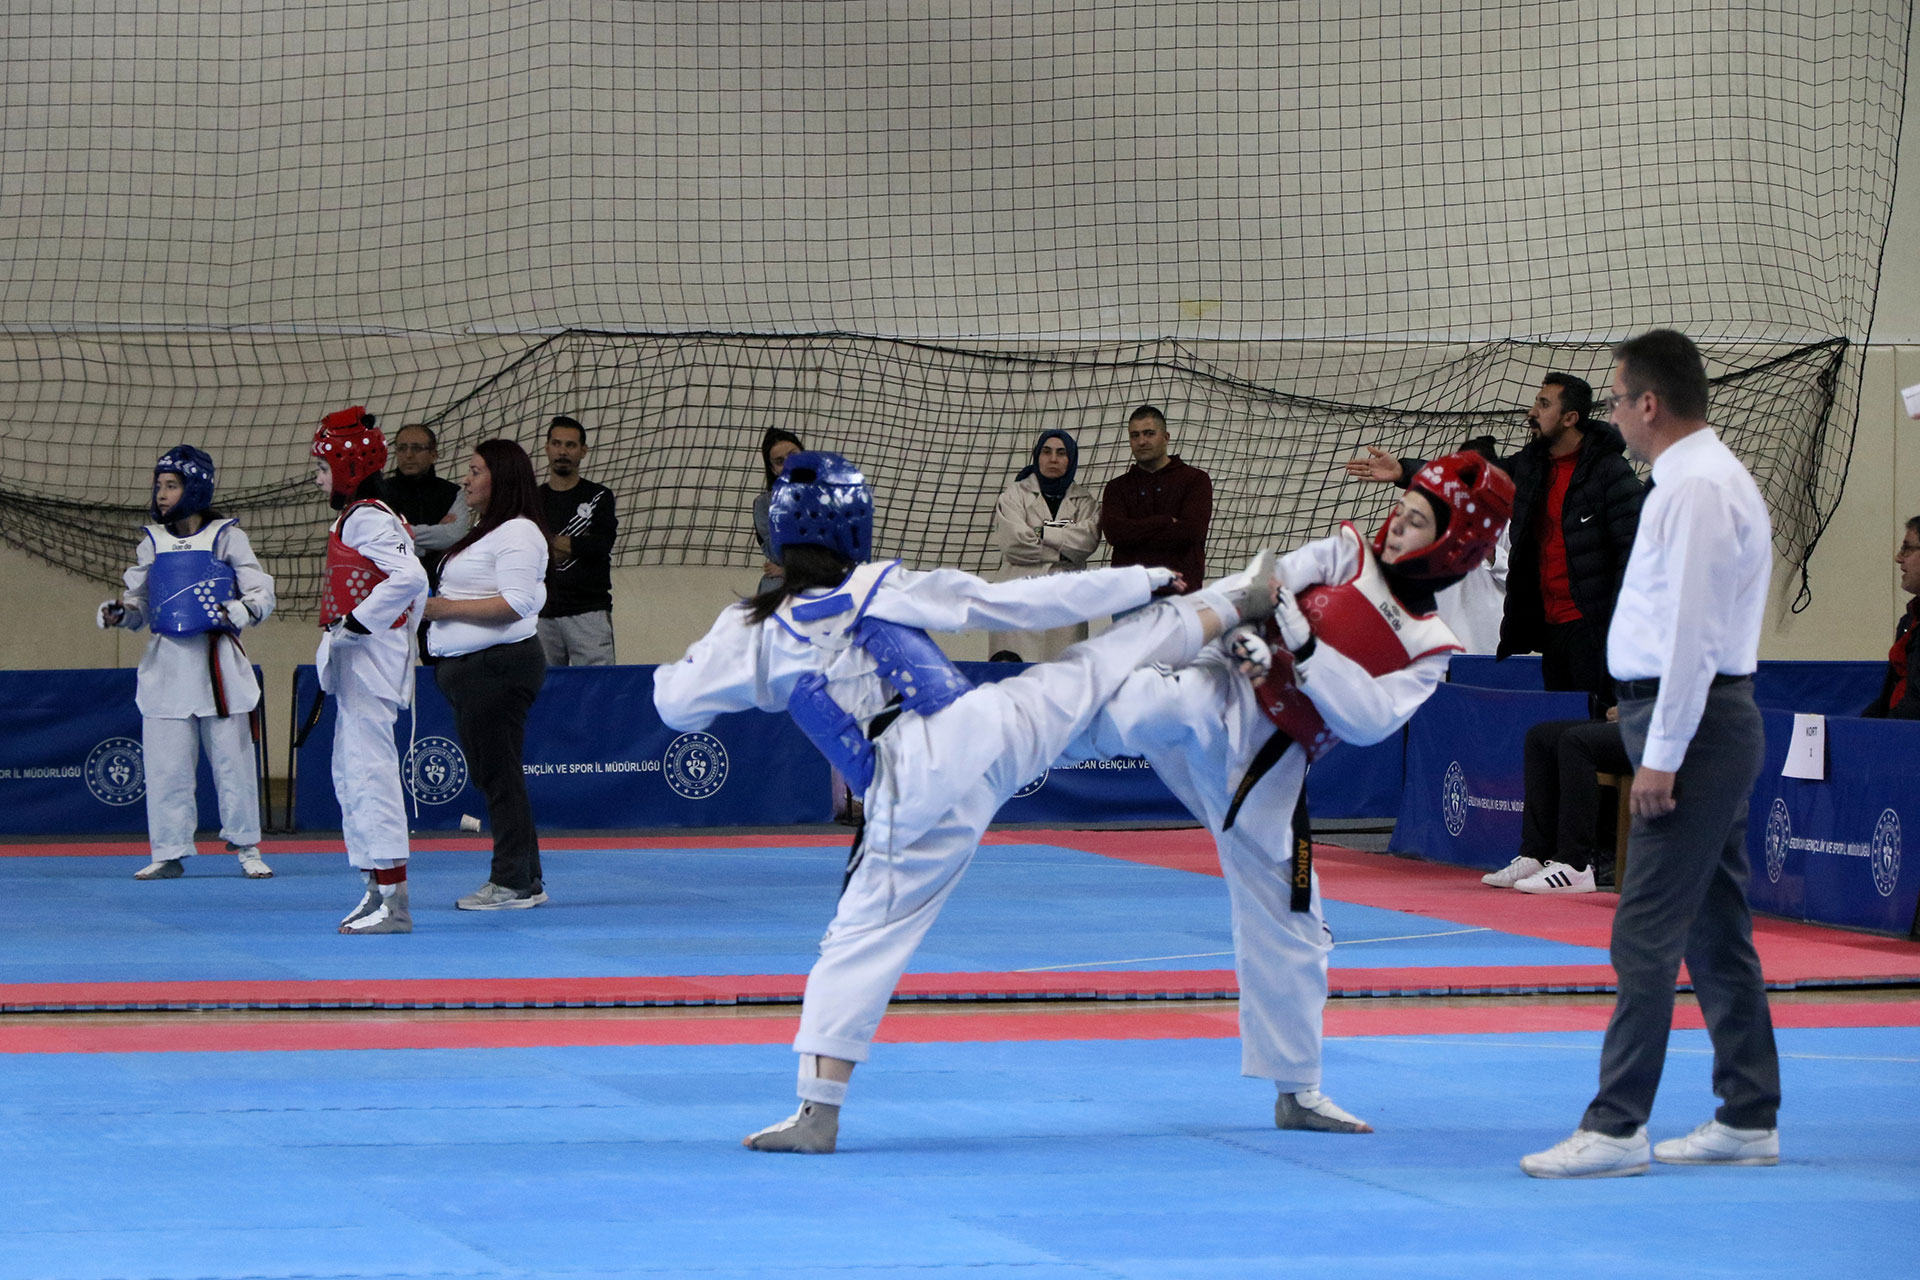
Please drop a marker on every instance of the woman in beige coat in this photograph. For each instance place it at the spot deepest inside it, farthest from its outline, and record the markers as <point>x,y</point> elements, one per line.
<point>1044,523</point>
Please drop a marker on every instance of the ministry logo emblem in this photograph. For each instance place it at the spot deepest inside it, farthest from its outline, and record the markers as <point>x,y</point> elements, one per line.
<point>1033,786</point>
<point>695,765</point>
<point>435,771</point>
<point>1779,839</point>
<point>116,772</point>
<point>1453,799</point>
<point>1885,854</point>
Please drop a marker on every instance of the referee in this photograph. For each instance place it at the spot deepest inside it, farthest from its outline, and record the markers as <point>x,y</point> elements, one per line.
<point>1682,647</point>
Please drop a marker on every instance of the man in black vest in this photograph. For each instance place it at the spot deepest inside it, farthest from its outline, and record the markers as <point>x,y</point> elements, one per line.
<point>435,509</point>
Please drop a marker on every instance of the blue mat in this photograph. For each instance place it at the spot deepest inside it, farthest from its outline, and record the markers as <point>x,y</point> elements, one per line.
<point>1147,1159</point>
<point>654,913</point>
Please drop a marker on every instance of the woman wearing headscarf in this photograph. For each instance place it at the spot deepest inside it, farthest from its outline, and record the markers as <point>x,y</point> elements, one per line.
<point>1044,523</point>
<point>775,447</point>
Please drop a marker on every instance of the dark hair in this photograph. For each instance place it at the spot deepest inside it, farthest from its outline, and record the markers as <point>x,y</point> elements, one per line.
<point>564,421</point>
<point>371,487</point>
<point>433,441</point>
<point>773,437</point>
<point>511,493</point>
<point>806,566</point>
<point>1147,411</point>
<point>1665,362</point>
<point>1486,446</point>
<point>1575,394</point>
<point>1913,525</point>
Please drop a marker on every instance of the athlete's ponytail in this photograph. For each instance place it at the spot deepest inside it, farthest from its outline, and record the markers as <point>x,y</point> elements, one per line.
<point>807,566</point>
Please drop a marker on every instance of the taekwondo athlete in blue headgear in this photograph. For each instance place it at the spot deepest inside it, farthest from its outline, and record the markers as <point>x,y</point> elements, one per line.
<point>195,583</point>
<point>842,645</point>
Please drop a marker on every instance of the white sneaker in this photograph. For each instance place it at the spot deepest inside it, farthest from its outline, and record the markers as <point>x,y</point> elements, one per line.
<point>1557,877</point>
<point>1716,1143</point>
<point>1588,1154</point>
<point>812,1130</point>
<point>1317,1112</point>
<point>1517,870</point>
<point>251,863</point>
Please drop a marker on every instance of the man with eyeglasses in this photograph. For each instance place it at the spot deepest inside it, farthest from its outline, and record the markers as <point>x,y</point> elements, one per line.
<point>1575,511</point>
<point>1682,648</point>
<point>1900,693</point>
<point>435,509</point>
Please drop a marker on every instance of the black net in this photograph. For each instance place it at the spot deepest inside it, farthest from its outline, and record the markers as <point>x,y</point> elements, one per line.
<point>918,234</point>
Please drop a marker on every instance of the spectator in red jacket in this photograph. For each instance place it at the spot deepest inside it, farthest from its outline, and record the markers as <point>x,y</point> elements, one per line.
<point>1156,512</point>
<point>1900,694</point>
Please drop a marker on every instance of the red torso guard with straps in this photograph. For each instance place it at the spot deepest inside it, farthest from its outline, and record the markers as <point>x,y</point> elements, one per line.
<point>1361,618</point>
<point>350,575</point>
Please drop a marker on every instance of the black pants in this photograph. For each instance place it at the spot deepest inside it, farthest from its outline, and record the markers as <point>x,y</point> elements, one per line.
<point>490,692</point>
<point>1563,799</point>
<point>1687,900</point>
<point>1573,659</point>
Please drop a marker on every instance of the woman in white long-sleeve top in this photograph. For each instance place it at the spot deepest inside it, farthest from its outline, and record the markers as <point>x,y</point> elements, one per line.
<point>196,583</point>
<point>484,631</point>
<point>842,645</point>
<point>1044,523</point>
<point>375,589</point>
<point>1351,661</point>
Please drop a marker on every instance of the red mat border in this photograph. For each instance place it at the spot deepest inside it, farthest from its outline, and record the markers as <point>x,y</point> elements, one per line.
<point>923,1028</point>
<point>1793,955</point>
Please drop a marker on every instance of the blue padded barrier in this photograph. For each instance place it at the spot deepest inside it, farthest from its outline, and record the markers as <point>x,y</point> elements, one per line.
<point>70,757</point>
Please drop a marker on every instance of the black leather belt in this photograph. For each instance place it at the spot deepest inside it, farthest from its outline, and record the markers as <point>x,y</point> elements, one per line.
<point>1638,689</point>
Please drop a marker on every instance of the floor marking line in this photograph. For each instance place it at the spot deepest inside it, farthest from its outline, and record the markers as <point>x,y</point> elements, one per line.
<point>1101,964</point>
<point>1413,937</point>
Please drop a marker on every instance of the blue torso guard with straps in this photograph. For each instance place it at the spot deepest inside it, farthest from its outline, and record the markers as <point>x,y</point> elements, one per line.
<point>188,581</point>
<point>924,679</point>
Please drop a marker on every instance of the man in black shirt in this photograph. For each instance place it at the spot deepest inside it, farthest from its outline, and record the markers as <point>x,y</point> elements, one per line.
<point>435,509</point>
<point>576,627</point>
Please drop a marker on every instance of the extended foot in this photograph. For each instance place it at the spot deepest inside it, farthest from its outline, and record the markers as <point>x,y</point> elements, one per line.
<point>1251,591</point>
<point>1316,1112</point>
<point>812,1130</point>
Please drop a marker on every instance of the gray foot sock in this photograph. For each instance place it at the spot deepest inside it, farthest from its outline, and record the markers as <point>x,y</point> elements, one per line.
<point>812,1130</point>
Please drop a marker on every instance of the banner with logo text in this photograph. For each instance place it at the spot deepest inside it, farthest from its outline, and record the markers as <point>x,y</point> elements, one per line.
<point>1835,850</point>
<point>70,755</point>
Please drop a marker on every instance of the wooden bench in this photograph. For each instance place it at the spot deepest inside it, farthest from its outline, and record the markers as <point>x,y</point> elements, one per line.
<point>1622,784</point>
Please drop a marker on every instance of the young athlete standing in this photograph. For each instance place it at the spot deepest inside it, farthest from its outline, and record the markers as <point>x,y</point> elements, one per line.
<point>196,584</point>
<point>841,643</point>
<point>1352,651</point>
<point>375,587</point>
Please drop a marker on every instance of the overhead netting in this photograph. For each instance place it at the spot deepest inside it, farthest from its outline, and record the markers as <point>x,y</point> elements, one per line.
<point>918,234</point>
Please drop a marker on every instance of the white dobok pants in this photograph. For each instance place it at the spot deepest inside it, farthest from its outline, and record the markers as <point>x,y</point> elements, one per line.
<point>366,760</point>
<point>996,738</point>
<point>171,752</point>
<point>1199,728</point>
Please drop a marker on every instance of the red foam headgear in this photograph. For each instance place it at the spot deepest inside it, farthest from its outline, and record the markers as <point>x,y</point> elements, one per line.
<point>1478,498</point>
<point>351,446</point>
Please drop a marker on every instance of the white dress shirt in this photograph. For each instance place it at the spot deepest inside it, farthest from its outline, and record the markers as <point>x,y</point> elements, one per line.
<point>510,562</point>
<point>1695,592</point>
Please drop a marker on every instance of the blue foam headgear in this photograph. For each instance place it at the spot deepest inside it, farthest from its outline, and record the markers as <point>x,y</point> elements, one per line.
<point>821,500</point>
<point>195,470</point>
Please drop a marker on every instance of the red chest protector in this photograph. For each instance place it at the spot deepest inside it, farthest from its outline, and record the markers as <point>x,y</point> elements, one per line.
<point>350,575</point>
<point>1361,618</point>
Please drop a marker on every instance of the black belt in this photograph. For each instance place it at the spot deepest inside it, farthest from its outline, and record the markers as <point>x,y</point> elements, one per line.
<point>1638,689</point>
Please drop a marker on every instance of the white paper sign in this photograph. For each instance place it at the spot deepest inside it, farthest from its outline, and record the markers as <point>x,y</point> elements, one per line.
<point>1807,757</point>
<point>1912,396</point>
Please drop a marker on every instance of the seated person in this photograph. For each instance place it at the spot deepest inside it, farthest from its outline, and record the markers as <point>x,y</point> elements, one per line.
<point>1900,694</point>
<point>1562,805</point>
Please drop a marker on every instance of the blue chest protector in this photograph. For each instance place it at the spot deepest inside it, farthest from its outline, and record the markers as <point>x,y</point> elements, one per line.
<point>924,679</point>
<point>188,583</point>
